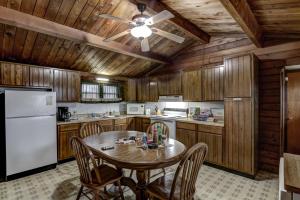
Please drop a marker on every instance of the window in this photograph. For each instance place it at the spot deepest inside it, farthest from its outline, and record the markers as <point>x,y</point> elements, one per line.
<point>110,92</point>
<point>90,91</point>
<point>100,92</point>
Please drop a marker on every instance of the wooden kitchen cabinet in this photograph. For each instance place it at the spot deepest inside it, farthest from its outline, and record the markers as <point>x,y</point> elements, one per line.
<point>213,83</point>
<point>240,75</point>
<point>132,89</point>
<point>153,89</point>
<point>241,134</point>
<point>186,133</point>
<point>107,124</point>
<point>141,124</point>
<point>131,124</point>
<point>120,124</point>
<point>143,89</point>
<point>169,84</point>
<point>192,85</point>
<point>64,133</point>
<point>41,77</point>
<point>213,137</point>
<point>12,74</point>
<point>66,85</point>
<point>174,84</point>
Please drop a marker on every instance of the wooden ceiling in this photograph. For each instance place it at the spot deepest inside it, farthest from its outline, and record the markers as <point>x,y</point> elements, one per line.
<point>210,15</point>
<point>275,17</point>
<point>278,18</point>
<point>20,45</point>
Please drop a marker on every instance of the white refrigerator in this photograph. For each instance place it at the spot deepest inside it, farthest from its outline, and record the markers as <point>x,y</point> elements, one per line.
<point>30,130</point>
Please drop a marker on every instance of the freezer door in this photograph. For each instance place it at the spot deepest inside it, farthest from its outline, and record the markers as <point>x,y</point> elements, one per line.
<point>29,103</point>
<point>30,143</point>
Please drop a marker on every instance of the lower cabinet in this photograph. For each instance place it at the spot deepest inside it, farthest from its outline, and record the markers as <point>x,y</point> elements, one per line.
<point>186,133</point>
<point>107,125</point>
<point>120,124</point>
<point>213,137</point>
<point>65,133</point>
<point>131,124</point>
<point>141,124</point>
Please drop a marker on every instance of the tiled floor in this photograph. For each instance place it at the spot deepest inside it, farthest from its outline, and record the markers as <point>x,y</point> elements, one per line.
<point>213,184</point>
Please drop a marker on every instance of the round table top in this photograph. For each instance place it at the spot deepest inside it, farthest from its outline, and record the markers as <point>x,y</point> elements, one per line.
<point>132,157</point>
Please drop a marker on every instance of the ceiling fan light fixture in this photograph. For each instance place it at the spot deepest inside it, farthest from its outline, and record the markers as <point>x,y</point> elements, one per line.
<point>141,31</point>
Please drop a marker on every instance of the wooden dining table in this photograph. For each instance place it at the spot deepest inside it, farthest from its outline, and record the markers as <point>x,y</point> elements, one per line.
<point>131,156</point>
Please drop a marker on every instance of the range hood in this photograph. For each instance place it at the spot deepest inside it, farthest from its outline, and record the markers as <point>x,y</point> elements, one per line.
<point>174,98</point>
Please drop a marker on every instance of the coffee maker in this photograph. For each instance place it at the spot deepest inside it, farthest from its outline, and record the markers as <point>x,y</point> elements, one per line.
<point>63,114</point>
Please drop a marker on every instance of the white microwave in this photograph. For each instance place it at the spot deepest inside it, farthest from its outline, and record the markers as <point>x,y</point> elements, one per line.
<point>135,109</point>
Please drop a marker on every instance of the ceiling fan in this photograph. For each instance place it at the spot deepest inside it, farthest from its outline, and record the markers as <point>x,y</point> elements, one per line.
<point>141,27</point>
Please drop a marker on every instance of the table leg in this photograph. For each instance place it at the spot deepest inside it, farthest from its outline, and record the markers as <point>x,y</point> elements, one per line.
<point>141,185</point>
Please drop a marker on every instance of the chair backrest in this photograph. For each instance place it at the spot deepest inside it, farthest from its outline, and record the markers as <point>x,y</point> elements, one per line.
<point>90,128</point>
<point>188,170</point>
<point>84,156</point>
<point>163,126</point>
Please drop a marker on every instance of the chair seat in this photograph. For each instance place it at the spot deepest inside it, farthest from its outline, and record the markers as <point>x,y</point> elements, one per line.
<point>108,175</point>
<point>161,187</point>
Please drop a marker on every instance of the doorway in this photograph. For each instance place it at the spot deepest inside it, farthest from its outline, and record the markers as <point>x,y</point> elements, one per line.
<point>292,139</point>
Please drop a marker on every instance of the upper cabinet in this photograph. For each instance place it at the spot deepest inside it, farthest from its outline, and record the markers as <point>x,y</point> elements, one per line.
<point>153,89</point>
<point>213,83</point>
<point>14,74</point>
<point>66,84</point>
<point>131,90</point>
<point>192,85</point>
<point>41,77</point>
<point>238,80</point>
<point>169,84</point>
<point>143,89</point>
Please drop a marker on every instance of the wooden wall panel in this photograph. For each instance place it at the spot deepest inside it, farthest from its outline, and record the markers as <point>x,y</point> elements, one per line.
<point>269,115</point>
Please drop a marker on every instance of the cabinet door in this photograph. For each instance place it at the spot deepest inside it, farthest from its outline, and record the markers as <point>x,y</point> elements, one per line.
<point>239,135</point>
<point>131,124</point>
<point>41,77</point>
<point>131,89</point>
<point>212,82</point>
<point>143,89</point>
<point>239,76</point>
<point>107,125</point>
<point>153,89</point>
<point>14,74</point>
<point>174,84</point>
<point>187,137</point>
<point>192,85</point>
<point>138,124</point>
<point>65,133</point>
<point>215,146</point>
<point>66,84</point>
<point>162,85</point>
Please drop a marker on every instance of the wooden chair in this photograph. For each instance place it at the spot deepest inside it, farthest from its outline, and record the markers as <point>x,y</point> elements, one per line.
<point>181,185</point>
<point>90,128</point>
<point>97,177</point>
<point>166,134</point>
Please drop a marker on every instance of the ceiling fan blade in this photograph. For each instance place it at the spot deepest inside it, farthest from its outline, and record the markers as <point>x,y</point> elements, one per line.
<point>145,45</point>
<point>117,36</point>
<point>107,16</point>
<point>163,15</point>
<point>168,35</point>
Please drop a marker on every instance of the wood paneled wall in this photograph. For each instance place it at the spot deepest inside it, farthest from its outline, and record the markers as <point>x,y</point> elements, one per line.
<point>269,115</point>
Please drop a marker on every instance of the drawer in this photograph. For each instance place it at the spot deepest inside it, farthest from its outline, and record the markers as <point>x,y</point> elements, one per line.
<point>189,126</point>
<point>69,127</point>
<point>121,121</point>
<point>210,129</point>
<point>109,122</point>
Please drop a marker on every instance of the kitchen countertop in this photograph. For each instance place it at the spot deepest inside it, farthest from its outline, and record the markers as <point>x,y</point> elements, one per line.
<point>186,120</point>
<point>91,119</point>
<point>189,120</point>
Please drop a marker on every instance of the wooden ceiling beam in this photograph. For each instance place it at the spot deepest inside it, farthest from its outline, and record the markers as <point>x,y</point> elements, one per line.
<point>242,13</point>
<point>180,22</point>
<point>33,23</point>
